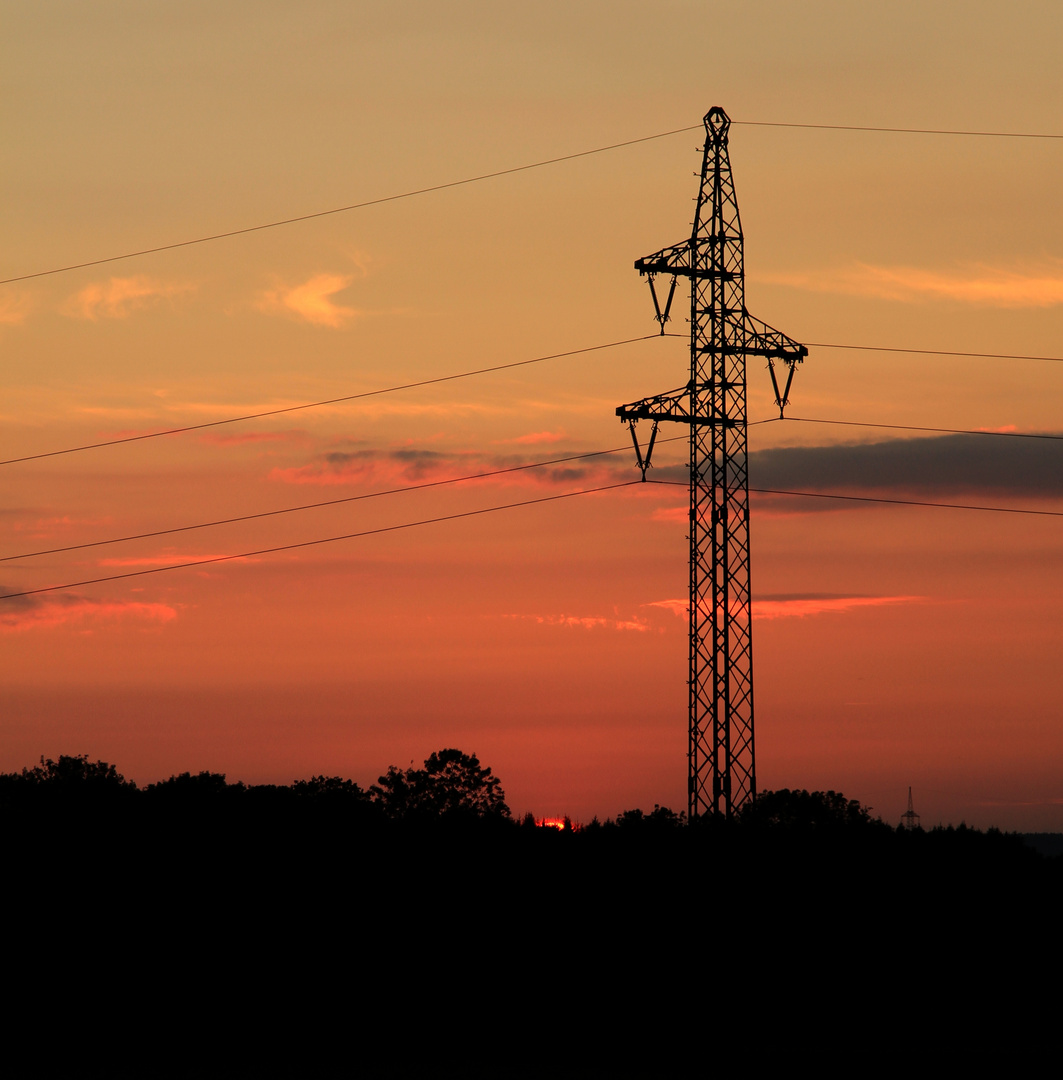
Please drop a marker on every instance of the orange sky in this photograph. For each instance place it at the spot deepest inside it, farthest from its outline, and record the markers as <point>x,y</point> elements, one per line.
<point>893,646</point>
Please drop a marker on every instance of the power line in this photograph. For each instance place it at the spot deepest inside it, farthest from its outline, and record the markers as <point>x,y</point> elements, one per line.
<point>912,502</point>
<point>916,427</point>
<point>876,499</point>
<point>345,209</point>
<point>915,352</point>
<point>474,476</point>
<point>314,543</point>
<point>319,404</point>
<point>327,502</point>
<point>497,173</point>
<point>927,352</point>
<point>485,371</point>
<point>510,506</point>
<point>904,130</point>
<point>478,476</point>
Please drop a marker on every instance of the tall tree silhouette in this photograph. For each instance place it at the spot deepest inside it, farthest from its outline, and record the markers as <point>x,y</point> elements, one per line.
<point>450,783</point>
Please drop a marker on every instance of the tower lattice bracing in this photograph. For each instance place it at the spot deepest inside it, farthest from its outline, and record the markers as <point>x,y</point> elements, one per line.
<point>721,758</point>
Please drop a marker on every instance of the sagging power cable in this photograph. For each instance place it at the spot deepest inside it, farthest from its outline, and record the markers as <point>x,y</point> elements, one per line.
<point>314,543</point>
<point>893,502</point>
<point>319,404</point>
<point>506,172</point>
<point>318,505</point>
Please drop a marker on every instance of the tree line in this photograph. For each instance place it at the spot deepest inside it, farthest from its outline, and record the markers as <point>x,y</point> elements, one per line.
<point>453,788</point>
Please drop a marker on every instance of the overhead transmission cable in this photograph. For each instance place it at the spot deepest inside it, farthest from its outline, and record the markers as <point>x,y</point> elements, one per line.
<point>922,427</point>
<point>883,499</point>
<point>904,130</point>
<point>318,404</point>
<point>313,543</point>
<point>484,371</point>
<point>925,352</point>
<point>510,506</point>
<point>351,206</point>
<point>914,352</point>
<point>504,172</point>
<point>328,502</point>
<point>485,475</point>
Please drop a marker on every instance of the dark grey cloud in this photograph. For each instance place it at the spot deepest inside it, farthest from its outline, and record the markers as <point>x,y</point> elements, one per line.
<point>944,465</point>
<point>21,604</point>
<point>415,465</point>
<point>784,597</point>
<point>339,458</point>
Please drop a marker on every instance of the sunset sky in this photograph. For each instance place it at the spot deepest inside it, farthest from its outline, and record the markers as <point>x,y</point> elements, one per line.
<point>893,646</point>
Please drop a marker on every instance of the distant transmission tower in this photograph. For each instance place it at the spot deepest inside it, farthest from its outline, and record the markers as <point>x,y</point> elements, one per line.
<point>720,752</point>
<point>910,819</point>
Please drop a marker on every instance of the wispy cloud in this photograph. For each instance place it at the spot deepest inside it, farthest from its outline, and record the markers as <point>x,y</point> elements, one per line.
<point>14,307</point>
<point>41,527</point>
<point>36,613</point>
<point>119,297</point>
<point>410,465</point>
<point>671,514</point>
<point>536,438</point>
<point>167,559</point>
<point>312,300</point>
<point>978,284</point>
<point>587,622</point>
<point>676,607</point>
<point>217,439</point>
<point>797,605</point>
<point>788,606</point>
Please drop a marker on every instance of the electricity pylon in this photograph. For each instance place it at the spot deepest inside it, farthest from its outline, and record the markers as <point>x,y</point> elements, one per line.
<point>910,819</point>
<point>720,749</point>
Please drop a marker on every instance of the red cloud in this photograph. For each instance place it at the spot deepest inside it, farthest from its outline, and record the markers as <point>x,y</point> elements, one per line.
<point>219,439</point>
<point>671,514</point>
<point>535,438</point>
<point>50,613</point>
<point>799,607</point>
<point>586,622</point>
<point>785,607</point>
<point>168,559</point>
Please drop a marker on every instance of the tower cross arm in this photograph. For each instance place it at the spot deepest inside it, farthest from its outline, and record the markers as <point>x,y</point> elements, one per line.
<point>760,339</point>
<point>670,260</point>
<point>671,405</point>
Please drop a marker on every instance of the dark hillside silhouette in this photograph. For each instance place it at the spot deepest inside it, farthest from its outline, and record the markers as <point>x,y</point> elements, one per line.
<point>419,908</point>
<point>425,830</point>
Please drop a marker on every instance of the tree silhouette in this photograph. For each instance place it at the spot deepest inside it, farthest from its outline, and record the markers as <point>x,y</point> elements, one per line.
<point>329,787</point>
<point>451,783</point>
<point>77,773</point>
<point>200,785</point>
<point>70,787</point>
<point>805,810</point>
<point>660,819</point>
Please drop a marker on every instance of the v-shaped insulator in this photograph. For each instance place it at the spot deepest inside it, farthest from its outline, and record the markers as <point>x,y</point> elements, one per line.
<point>782,399</point>
<point>662,316</point>
<point>643,462</point>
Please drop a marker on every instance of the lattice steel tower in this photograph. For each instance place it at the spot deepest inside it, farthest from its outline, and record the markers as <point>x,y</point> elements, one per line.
<point>721,760</point>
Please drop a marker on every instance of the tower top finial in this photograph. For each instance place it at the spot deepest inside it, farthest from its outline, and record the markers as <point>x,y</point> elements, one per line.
<point>716,123</point>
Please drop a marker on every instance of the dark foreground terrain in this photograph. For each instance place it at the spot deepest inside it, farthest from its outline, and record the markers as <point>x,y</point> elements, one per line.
<point>417,922</point>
